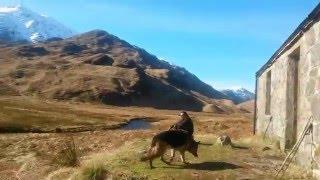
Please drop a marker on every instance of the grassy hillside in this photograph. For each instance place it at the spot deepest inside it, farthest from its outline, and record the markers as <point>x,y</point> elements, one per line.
<point>99,67</point>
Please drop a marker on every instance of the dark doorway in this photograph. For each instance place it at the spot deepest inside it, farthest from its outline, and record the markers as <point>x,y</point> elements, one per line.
<point>292,98</point>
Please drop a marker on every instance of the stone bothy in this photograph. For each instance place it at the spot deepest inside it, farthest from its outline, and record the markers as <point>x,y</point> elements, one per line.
<point>288,93</point>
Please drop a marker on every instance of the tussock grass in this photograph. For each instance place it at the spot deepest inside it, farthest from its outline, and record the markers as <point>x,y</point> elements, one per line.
<point>68,155</point>
<point>92,171</point>
<point>214,162</point>
<point>119,162</point>
<point>124,162</point>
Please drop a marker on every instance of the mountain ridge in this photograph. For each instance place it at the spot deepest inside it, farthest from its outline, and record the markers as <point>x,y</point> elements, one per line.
<point>98,66</point>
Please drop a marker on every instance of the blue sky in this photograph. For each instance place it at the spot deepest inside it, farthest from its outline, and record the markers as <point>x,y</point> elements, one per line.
<point>223,42</point>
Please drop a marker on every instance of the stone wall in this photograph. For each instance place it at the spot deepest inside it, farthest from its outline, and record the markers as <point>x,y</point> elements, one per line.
<point>309,93</point>
<point>275,128</point>
<point>282,98</point>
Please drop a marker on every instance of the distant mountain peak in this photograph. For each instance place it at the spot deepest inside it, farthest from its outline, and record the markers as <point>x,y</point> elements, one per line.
<point>239,95</point>
<point>18,23</point>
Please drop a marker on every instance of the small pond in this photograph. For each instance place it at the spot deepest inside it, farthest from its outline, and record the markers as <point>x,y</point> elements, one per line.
<point>138,123</point>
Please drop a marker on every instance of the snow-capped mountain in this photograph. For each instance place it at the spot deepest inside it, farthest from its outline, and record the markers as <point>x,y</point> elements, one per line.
<point>21,24</point>
<point>239,95</point>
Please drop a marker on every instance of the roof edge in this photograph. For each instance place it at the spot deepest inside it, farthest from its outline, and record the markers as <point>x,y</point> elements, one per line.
<point>312,18</point>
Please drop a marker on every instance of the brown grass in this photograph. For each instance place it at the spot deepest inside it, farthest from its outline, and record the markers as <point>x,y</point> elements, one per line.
<point>23,114</point>
<point>68,155</point>
<point>93,171</point>
<point>102,153</point>
<point>214,162</point>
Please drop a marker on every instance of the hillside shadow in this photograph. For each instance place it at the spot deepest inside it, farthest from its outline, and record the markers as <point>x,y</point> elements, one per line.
<point>212,166</point>
<point>208,166</point>
<point>205,144</point>
<point>239,147</point>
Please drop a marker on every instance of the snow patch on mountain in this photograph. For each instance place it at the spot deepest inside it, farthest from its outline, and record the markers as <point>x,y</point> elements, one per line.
<point>21,24</point>
<point>29,23</point>
<point>8,9</point>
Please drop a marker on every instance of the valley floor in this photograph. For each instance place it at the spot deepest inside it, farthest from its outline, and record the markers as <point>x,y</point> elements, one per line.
<point>115,152</point>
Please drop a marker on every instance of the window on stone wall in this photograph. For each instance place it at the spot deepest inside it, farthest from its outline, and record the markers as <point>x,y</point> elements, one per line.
<point>268,94</point>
